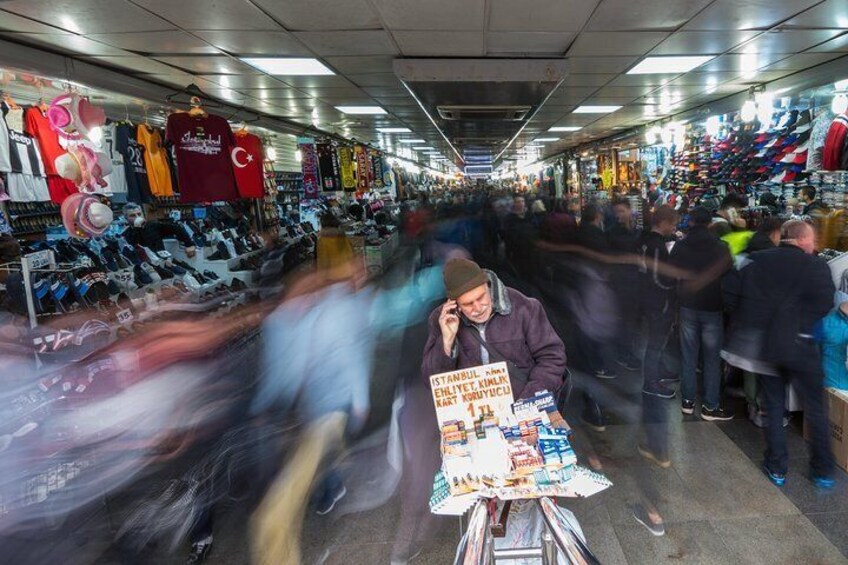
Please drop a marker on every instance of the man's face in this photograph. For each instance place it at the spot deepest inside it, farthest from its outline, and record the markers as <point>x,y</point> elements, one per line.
<point>622,214</point>
<point>476,304</point>
<point>666,228</point>
<point>807,240</point>
<point>133,214</point>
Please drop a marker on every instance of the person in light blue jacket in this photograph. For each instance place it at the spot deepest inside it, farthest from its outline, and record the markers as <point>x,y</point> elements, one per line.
<point>834,344</point>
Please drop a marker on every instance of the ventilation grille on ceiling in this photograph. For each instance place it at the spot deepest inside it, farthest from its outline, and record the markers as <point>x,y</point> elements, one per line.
<point>484,113</point>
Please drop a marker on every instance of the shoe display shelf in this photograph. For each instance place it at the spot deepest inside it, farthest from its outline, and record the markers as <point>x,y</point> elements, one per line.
<point>226,269</point>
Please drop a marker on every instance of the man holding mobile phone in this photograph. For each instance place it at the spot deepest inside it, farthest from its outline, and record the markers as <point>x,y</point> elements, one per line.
<point>483,321</point>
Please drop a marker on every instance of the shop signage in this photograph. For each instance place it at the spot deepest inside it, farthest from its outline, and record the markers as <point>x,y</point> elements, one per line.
<point>346,169</point>
<point>362,169</point>
<point>465,394</point>
<point>328,165</point>
<point>377,167</point>
<point>309,166</point>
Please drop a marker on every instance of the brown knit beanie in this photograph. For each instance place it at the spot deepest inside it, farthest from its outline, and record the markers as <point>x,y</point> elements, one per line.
<point>462,275</point>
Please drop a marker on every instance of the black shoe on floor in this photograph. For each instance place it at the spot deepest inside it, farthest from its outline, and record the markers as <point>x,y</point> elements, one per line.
<point>605,374</point>
<point>687,406</point>
<point>641,516</point>
<point>658,390</point>
<point>715,415</point>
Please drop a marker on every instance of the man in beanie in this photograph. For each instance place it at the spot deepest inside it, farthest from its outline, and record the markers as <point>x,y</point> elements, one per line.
<point>484,322</point>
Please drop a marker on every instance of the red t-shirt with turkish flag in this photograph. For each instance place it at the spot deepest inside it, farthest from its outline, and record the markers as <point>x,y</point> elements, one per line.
<point>203,145</point>
<point>247,165</point>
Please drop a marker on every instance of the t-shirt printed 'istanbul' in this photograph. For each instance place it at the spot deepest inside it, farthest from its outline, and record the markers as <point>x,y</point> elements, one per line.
<point>203,146</point>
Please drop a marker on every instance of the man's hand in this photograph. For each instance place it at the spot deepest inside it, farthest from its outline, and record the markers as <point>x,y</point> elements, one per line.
<point>449,323</point>
<point>191,251</point>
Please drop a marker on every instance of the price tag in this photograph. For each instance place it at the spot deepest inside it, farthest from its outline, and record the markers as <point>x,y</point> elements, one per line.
<point>125,317</point>
<point>164,254</point>
<point>86,261</point>
<point>39,259</point>
<point>125,276</point>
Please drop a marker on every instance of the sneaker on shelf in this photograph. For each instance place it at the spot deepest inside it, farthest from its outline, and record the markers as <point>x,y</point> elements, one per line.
<point>210,275</point>
<point>715,415</point>
<point>641,515</point>
<point>605,374</point>
<point>191,282</point>
<point>823,482</point>
<point>687,406</point>
<point>217,256</point>
<point>659,390</point>
<point>653,457</point>
<point>779,479</point>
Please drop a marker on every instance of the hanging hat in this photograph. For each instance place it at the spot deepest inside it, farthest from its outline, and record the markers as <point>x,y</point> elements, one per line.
<point>85,216</point>
<point>84,167</point>
<point>72,116</point>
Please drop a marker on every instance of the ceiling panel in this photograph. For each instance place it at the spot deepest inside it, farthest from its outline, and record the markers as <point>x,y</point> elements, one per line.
<point>586,80</point>
<point>138,64</point>
<point>740,63</point>
<point>156,42</point>
<point>375,79</point>
<point>65,42</point>
<point>731,15</point>
<point>599,65</point>
<point>642,80</point>
<point>348,100</point>
<point>209,64</point>
<point>387,92</point>
<point>323,81</point>
<point>359,65</point>
<point>277,43</point>
<point>702,42</point>
<point>576,120</point>
<point>802,61</point>
<point>829,14</point>
<point>838,45</point>
<point>519,42</point>
<point>540,15</point>
<point>788,41</point>
<point>432,15</point>
<point>441,43</point>
<point>624,91</point>
<point>279,94</point>
<point>321,15</point>
<point>14,22</point>
<point>203,14</point>
<point>244,81</point>
<point>570,95</point>
<point>323,92</point>
<point>615,43</point>
<point>706,78</point>
<point>621,15</point>
<point>89,16</point>
<point>365,42</point>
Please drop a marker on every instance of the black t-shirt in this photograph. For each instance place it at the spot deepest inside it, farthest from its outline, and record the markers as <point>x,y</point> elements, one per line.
<point>138,185</point>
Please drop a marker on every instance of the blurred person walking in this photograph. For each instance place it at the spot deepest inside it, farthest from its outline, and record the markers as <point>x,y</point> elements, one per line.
<point>623,240</point>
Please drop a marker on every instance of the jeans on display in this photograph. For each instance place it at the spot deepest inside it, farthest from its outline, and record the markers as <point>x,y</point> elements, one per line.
<point>659,324</point>
<point>701,332</point>
<point>806,374</point>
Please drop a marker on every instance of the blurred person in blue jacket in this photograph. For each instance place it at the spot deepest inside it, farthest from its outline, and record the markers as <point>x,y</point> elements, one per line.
<point>833,335</point>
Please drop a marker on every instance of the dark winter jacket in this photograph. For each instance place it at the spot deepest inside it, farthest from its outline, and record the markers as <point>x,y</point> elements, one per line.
<point>519,330</point>
<point>656,290</point>
<point>700,251</point>
<point>592,237</point>
<point>151,235</point>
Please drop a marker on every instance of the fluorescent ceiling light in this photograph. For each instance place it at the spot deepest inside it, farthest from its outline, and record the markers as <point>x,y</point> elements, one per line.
<point>412,141</point>
<point>546,139</point>
<point>361,110</point>
<point>534,146</point>
<point>565,128</point>
<point>425,148</point>
<point>669,65</point>
<point>394,130</point>
<point>288,66</point>
<point>596,109</point>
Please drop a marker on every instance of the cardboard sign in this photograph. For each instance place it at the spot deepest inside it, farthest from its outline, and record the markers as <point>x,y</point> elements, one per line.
<point>164,254</point>
<point>39,259</point>
<point>467,393</point>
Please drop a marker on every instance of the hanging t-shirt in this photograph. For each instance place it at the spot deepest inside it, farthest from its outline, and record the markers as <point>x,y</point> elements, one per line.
<point>138,186</point>
<point>14,118</point>
<point>156,161</point>
<point>5,157</point>
<point>24,156</point>
<point>247,165</point>
<point>38,126</point>
<point>116,181</point>
<point>203,146</point>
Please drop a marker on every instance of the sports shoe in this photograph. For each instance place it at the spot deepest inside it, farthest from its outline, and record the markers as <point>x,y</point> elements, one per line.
<point>629,364</point>
<point>593,417</point>
<point>823,482</point>
<point>658,390</point>
<point>687,406</point>
<point>779,479</point>
<point>329,500</point>
<point>650,456</point>
<point>716,414</point>
<point>641,516</point>
<point>605,374</point>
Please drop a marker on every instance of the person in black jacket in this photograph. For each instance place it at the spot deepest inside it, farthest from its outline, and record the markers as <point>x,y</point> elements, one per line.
<point>775,302</point>
<point>623,238</point>
<point>701,323</point>
<point>151,234</point>
<point>657,298</point>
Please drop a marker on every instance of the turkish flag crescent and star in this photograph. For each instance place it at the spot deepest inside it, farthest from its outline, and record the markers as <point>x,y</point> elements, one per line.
<point>247,159</point>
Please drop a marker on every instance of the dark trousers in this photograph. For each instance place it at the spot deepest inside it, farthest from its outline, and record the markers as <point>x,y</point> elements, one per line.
<point>701,332</point>
<point>659,323</point>
<point>805,373</point>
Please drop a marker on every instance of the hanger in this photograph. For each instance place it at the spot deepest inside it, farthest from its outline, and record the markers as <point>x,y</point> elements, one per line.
<point>195,96</point>
<point>144,109</point>
<point>242,130</point>
<point>8,99</point>
<point>41,104</point>
<point>196,110</point>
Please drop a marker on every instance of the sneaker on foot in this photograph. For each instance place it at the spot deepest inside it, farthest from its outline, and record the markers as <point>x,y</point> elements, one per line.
<point>659,390</point>
<point>687,406</point>
<point>717,414</point>
<point>641,516</point>
<point>823,482</point>
<point>655,459</point>
<point>594,418</point>
<point>605,374</point>
<point>779,479</point>
<point>629,364</point>
<point>329,500</point>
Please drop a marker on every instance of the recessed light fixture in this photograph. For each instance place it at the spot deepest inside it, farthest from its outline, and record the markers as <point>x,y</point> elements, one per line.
<point>596,109</point>
<point>425,148</point>
<point>412,141</point>
<point>669,65</point>
<point>534,146</point>
<point>361,110</point>
<point>394,130</point>
<point>288,66</point>
<point>546,139</point>
<point>565,128</point>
